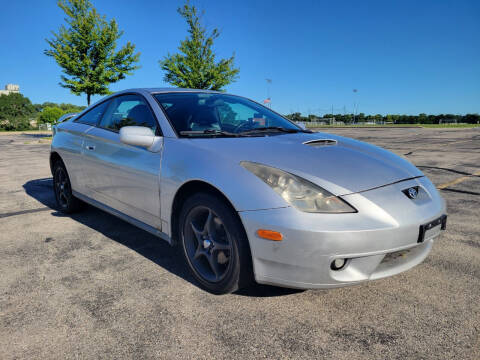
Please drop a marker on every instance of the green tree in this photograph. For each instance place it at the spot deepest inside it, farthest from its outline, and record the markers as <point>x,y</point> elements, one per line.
<point>67,108</point>
<point>195,66</point>
<point>422,118</point>
<point>296,116</point>
<point>378,117</point>
<point>50,114</point>
<point>15,111</point>
<point>15,105</point>
<point>471,119</point>
<point>85,49</point>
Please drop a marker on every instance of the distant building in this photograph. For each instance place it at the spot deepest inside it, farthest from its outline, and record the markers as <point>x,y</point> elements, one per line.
<point>10,88</point>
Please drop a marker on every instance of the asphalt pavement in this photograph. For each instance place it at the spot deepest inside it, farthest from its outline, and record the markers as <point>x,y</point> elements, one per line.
<point>93,286</point>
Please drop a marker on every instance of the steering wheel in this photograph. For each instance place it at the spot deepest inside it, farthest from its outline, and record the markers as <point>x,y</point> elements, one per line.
<point>240,126</point>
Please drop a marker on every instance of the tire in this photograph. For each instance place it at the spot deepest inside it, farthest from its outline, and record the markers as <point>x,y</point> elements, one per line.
<point>214,244</point>
<point>62,188</point>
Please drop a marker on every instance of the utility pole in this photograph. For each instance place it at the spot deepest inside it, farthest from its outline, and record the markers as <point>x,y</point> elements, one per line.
<point>354,105</point>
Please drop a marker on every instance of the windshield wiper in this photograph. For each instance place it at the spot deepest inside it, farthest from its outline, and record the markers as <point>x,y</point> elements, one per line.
<point>272,128</point>
<point>208,132</point>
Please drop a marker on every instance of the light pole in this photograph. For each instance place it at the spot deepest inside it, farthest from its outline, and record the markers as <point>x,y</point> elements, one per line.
<point>355,105</point>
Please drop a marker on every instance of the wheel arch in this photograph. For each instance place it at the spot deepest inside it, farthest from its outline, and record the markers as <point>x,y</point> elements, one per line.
<point>184,192</point>
<point>54,157</point>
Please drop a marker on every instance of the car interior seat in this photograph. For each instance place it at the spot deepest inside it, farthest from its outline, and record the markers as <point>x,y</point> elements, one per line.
<point>204,118</point>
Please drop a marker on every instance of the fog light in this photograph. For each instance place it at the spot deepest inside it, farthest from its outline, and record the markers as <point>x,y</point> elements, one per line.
<point>338,264</point>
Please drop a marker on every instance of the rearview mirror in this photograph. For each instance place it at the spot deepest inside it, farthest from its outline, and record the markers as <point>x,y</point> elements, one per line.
<point>137,135</point>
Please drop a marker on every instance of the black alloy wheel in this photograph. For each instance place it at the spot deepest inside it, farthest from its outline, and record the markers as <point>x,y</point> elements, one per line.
<point>66,201</point>
<point>214,244</point>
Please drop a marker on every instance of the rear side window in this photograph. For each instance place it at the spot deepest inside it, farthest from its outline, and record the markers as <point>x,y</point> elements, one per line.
<point>128,110</point>
<point>92,116</point>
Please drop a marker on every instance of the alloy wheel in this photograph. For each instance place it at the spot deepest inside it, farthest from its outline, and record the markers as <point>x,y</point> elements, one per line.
<point>208,244</point>
<point>62,187</point>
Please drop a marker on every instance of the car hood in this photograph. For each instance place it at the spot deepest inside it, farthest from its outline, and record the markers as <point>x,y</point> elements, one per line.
<point>341,165</point>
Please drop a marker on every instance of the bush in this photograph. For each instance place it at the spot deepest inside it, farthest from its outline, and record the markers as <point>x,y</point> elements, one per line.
<point>15,124</point>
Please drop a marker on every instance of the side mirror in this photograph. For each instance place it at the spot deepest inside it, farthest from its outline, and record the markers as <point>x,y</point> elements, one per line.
<point>137,136</point>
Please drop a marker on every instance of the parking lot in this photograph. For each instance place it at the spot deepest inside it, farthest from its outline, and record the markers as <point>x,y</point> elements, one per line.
<point>92,286</point>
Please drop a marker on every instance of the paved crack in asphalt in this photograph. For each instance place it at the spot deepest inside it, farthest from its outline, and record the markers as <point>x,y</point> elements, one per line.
<point>21,212</point>
<point>460,191</point>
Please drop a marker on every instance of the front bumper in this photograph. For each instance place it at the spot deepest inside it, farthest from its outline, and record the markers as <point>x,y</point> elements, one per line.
<point>378,241</point>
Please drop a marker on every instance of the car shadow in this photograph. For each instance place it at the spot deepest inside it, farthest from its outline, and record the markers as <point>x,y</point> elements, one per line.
<point>37,136</point>
<point>138,240</point>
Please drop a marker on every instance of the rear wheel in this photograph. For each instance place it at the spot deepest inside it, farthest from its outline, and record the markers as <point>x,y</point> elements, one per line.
<point>66,202</point>
<point>214,244</point>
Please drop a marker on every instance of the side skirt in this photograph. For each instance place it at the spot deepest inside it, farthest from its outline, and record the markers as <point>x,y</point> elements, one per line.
<point>124,217</point>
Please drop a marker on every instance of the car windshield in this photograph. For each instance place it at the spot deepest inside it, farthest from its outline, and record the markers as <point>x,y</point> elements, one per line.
<point>212,114</point>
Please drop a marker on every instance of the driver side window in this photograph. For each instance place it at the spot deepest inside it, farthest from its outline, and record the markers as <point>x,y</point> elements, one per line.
<point>128,110</point>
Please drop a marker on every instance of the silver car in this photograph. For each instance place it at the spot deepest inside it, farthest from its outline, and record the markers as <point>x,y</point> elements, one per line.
<point>66,117</point>
<point>247,194</point>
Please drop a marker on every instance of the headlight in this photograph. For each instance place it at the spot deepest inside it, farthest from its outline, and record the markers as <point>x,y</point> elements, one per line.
<point>298,192</point>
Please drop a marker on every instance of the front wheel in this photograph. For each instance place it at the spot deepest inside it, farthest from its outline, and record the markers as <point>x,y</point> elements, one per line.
<point>214,244</point>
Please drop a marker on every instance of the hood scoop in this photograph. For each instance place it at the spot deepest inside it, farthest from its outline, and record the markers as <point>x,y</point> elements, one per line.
<point>320,142</point>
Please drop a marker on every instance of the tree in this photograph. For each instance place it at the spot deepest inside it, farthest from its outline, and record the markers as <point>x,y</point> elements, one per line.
<point>85,49</point>
<point>15,105</point>
<point>63,106</point>
<point>422,118</point>
<point>66,108</point>
<point>296,116</point>
<point>472,118</point>
<point>15,110</point>
<point>195,66</point>
<point>50,114</point>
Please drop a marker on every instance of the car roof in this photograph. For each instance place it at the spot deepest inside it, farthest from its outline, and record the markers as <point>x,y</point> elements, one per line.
<point>147,90</point>
<point>165,90</point>
<point>65,117</point>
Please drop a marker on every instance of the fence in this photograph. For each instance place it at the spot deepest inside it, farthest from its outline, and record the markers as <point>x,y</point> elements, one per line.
<point>47,127</point>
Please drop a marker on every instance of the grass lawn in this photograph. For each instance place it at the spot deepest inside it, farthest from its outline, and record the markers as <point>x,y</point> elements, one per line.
<point>39,132</point>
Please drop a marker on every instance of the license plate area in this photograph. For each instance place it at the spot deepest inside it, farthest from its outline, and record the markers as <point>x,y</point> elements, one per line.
<point>432,229</point>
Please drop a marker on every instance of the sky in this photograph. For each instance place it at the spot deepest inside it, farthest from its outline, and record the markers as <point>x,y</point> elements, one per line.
<point>403,57</point>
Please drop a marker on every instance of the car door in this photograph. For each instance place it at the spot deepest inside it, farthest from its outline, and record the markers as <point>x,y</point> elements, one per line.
<point>121,176</point>
<point>72,146</point>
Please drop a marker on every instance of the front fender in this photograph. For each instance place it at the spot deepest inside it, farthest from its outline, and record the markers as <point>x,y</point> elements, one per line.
<point>183,162</point>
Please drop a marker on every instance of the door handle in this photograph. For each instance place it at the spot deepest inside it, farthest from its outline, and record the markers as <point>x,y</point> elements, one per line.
<point>90,147</point>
